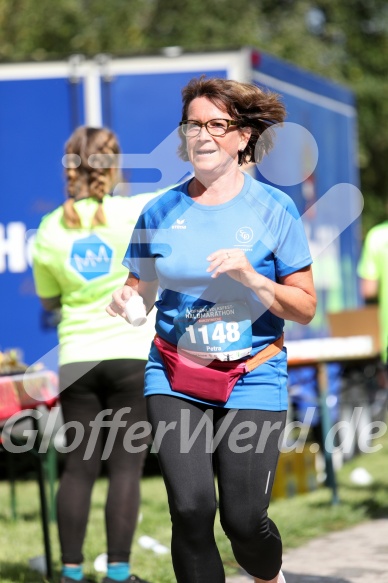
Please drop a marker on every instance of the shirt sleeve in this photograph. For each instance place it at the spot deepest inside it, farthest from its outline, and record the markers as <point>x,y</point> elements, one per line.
<point>46,284</point>
<point>292,252</point>
<point>138,257</point>
<point>368,266</point>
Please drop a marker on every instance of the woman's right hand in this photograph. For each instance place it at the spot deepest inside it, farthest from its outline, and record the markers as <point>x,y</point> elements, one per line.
<point>119,299</point>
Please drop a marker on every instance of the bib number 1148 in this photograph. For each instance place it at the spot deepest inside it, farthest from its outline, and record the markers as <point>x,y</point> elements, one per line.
<point>223,331</point>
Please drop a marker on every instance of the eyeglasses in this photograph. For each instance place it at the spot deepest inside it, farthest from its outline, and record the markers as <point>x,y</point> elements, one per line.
<point>215,127</point>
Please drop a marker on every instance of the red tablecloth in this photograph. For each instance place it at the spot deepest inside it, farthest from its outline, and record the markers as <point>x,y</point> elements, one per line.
<point>27,391</point>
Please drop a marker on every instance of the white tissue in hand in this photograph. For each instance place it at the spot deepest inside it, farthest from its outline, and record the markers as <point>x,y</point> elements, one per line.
<point>135,311</point>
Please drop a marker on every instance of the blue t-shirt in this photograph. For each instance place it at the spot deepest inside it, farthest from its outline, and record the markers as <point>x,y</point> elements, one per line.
<point>171,242</point>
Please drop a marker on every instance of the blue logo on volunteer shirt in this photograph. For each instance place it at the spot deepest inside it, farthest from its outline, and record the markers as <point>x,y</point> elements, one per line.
<point>91,257</point>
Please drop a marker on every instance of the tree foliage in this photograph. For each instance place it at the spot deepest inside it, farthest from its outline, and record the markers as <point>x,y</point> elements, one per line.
<point>344,41</point>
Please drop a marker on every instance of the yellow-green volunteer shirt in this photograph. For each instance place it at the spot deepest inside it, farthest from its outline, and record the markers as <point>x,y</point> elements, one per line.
<point>374,265</point>
<point>84,267</point>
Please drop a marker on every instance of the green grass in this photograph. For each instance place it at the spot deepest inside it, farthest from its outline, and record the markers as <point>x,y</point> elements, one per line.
<point>299,519</point>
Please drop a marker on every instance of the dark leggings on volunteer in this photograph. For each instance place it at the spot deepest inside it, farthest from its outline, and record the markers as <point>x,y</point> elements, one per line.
<point>245,462</point>
<point>110,384</point>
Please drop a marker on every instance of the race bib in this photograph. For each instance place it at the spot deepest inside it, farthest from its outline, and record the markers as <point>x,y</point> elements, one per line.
<point>220,331</point>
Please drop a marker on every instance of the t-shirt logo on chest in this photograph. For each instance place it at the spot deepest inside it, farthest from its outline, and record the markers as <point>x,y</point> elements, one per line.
<point>91,257</point>
<point>244,235</point>
<point>180,224</point>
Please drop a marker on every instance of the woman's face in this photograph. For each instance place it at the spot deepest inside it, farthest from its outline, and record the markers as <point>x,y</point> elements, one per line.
<point>211,154</point>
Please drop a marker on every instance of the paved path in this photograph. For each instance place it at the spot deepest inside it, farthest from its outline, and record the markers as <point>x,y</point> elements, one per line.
<point>356,555</point>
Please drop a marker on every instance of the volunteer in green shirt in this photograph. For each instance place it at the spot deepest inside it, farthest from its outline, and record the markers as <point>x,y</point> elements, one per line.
<point>373,270</point>
<point>77,264</point>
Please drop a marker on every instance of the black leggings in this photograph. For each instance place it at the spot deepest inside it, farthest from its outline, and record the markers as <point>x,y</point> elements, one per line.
<point>245,479</point>
<point>112,384</point>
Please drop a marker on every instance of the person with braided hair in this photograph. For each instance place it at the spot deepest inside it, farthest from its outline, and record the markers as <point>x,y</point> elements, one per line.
<point>77,263</point>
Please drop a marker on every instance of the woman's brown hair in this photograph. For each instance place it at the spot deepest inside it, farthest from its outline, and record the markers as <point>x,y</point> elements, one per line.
<point>90,161</point>
<point>249,105</point>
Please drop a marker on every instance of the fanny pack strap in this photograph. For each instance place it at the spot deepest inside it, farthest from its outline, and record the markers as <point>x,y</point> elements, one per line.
<point>265,354</point>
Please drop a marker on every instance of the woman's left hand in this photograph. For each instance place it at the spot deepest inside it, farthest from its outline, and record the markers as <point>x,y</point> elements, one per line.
<point>234,262</point>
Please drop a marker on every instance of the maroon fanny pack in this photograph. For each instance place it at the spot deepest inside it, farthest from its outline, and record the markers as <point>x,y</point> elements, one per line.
<point>212,381</point>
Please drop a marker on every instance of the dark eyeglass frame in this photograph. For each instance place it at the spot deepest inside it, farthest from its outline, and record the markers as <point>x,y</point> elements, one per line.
<point>229,122</point>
